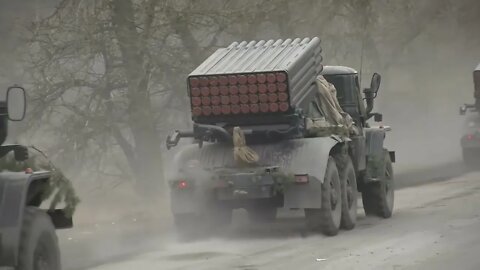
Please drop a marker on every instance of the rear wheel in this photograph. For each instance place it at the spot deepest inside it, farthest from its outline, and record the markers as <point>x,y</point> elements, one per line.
<point>38,243</point>
<point>378,197</point>
<point>348,183</point>
<point>327,219</point>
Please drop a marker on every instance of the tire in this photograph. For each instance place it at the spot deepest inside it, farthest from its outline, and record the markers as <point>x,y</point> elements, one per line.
<point>38,242</point>
<point>262,213</point>
<point>348,181</point>
<point>378,197</point>
<point>327,219</point>
<point>193,226</point>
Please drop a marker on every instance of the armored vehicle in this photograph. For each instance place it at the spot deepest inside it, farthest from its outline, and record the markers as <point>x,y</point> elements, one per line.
<point>27,233</point>
<point>274,128</point>
<point>470,141</point>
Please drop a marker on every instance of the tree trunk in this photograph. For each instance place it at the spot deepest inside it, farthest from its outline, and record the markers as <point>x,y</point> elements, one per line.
<point>147,159</point>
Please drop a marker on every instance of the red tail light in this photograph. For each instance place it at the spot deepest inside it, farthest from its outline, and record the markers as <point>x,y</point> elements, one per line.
<point>301,179</point>
<point>182,184</point>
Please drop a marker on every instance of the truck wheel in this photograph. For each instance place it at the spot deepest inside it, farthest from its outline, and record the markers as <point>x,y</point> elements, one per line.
<point>262,213</point>
<point>327,219</point>
<point>38,242</point>
<point>348,181</point>
<point>378,197</point>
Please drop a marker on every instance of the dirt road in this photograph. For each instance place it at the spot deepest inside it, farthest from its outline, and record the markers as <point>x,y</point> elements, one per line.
<point>435,226</point>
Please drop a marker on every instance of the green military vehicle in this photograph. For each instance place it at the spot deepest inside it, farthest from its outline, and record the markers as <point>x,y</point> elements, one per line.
<point>274,128</point>
<point>27,233</point>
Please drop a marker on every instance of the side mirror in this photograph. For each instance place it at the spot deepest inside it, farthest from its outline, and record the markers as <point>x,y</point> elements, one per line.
<point>463,110</point>
<point>375,83</point>
<point>16,103</point>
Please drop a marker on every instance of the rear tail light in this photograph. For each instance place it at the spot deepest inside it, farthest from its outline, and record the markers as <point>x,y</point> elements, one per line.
<point>182,184</point>
<point>301,178</point>
<point>218,95</point>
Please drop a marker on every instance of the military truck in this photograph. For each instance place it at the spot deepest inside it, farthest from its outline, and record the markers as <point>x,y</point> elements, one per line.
<point>262,141</point>
<point>470,141</point>
<point>27,233</point>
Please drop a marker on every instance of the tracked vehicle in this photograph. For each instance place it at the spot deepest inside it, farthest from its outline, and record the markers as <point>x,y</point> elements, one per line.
<point>263,140</point>
<point>470,141</point>
<point>27,233</point>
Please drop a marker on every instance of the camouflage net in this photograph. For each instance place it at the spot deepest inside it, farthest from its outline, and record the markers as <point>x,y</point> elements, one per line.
<point>241,152</point>
<point>60,188</point>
